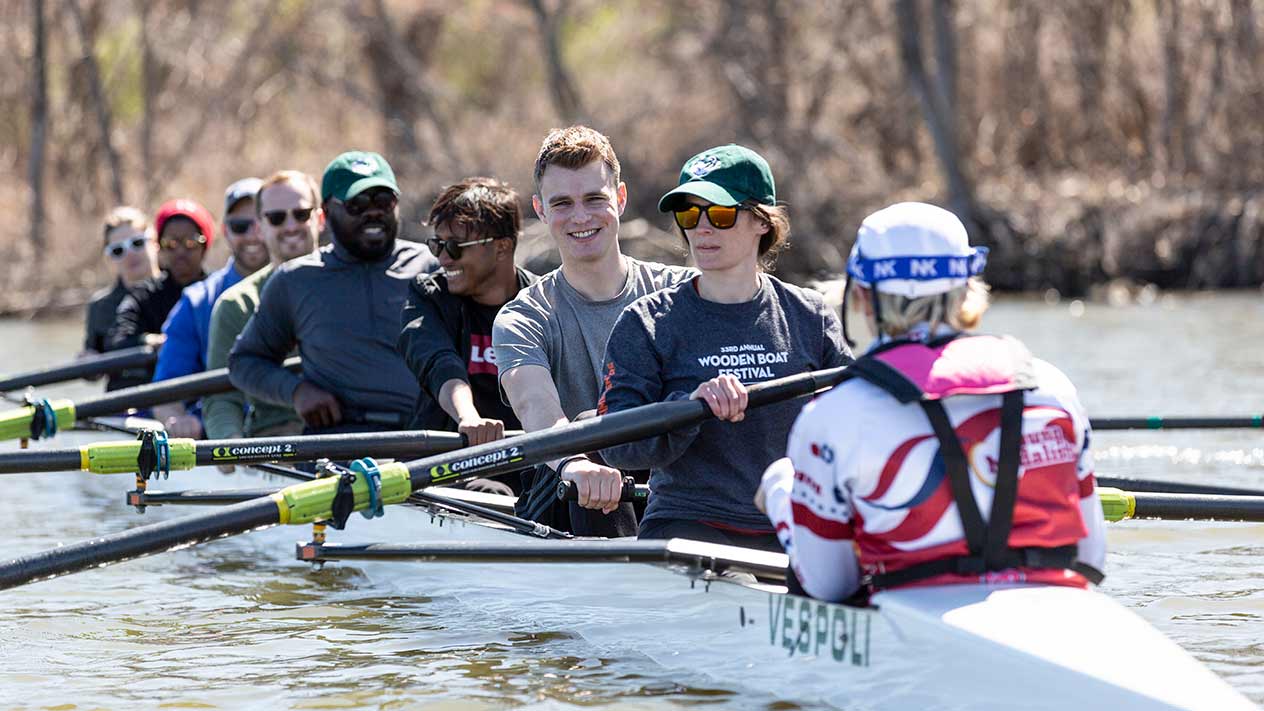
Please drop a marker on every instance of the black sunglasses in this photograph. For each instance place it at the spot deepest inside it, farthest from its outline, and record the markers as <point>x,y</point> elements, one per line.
<point>452,247</point>
<point>276,218</point>
<point>240,225</point>
<point>383,200</point>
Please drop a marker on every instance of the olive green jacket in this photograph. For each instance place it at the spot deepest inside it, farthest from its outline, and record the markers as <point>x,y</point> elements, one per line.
<point>233,414</point>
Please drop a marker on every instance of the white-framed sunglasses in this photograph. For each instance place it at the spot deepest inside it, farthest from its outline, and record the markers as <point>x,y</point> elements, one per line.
<point>116,250</point>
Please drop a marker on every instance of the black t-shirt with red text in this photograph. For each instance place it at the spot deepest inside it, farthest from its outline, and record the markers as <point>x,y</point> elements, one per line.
<point>480,363</point>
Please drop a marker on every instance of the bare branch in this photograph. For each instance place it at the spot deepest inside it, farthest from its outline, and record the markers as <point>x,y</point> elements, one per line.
<point>39,125</point>
<point>93,73</point>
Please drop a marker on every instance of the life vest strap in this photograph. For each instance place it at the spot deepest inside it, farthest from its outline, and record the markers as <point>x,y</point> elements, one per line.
<point>1060,558</point>
<point>1005,494</point>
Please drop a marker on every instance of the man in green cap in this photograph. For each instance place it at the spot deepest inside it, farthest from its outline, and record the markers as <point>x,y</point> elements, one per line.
<point>340,307</point>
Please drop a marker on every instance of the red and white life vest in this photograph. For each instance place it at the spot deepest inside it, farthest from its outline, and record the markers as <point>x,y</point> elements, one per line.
<point>1034,521</point>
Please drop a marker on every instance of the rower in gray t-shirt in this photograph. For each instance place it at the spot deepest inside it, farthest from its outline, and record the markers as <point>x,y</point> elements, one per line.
<point>552,325</point>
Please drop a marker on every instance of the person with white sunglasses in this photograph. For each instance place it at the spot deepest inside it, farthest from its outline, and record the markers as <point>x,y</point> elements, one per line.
<point>132,252</point>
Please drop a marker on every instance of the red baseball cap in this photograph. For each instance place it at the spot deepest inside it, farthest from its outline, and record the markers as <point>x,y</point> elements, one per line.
<point>183,207</point>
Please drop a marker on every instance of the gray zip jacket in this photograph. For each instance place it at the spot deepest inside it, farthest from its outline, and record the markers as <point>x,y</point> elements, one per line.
<point>343,315</point>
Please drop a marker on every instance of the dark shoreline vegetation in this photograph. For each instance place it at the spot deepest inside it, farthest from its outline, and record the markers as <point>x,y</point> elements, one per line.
<point>1090,145</point>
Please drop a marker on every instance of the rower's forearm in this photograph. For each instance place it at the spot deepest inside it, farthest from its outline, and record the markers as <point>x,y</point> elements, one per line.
<point>224,416</point>
<point>542,417</point>
<point>262,378</point>
<point>457,399</point>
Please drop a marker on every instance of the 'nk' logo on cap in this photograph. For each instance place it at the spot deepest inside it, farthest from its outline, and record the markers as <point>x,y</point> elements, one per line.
<point>362,166</point>
<point>701,167</point>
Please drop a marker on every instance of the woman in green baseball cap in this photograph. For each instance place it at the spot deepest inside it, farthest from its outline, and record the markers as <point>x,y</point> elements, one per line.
<point>708,338</point>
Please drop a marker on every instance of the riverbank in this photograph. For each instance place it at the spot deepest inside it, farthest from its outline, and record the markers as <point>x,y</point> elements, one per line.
<point>1114,243</point>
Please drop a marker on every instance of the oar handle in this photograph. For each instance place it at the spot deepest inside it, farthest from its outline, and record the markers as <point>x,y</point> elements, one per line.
<point>567,491</point>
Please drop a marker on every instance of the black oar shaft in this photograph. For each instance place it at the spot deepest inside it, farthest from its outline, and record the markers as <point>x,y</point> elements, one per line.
<point>1196,506</point>
<point>396,445</point>
<point>22,461</point>
<point>196,497</point>
<point>405,444</point>
<point>137,542</point>
<point>1172,487</point>
<point>603,431</point>
<point>188,387</point>
<point>103,364</point>
<point>1178,423</point>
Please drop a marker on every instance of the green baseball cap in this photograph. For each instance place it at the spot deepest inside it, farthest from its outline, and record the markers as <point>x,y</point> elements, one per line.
<point>725,175</point>
<point>354,172</point>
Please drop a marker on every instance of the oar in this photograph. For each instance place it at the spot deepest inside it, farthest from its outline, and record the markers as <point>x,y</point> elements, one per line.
<point>90,367</point>
<point>1177,423</point>
<point>122,457</point>
<point>314,500</point>
<point>1172,487</point>
<point>47,417</point>
<point>694,555</point>
<point>1122,505</point>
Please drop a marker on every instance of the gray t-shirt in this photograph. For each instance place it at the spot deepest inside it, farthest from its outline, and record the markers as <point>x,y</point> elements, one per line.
<point>667,344</point>
<point>552,325</point>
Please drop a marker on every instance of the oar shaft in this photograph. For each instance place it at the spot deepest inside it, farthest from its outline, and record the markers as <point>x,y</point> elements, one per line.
<point>188,387</point>
<point>1199,506</point>
<point>137,542</point>
<point>404,444</point>
<point>588,435</point>
<point>1178,423</point>
<point>120,457</point>
<point>103,364</point>
<point>1172,487</point>
<point>1122,505</point>
<point>33,460</point>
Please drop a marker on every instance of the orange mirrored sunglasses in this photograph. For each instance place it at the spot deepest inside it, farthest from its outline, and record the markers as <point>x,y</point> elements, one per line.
<point>721,217</point>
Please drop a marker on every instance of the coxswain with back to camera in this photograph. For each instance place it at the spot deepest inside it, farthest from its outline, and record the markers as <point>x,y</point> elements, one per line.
<point>946,457</point>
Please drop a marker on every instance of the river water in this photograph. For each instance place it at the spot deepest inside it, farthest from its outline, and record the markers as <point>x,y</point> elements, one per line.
<point>239,624</point>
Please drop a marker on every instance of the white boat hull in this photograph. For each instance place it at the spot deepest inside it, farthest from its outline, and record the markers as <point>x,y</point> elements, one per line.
<point>946,647</point>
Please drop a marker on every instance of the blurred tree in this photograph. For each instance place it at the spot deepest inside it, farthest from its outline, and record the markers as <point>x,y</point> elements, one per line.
<point>39,124</point>
<point>92,74</point>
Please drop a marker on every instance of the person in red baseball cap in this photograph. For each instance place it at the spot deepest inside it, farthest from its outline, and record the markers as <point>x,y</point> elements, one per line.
<point>185,230</point>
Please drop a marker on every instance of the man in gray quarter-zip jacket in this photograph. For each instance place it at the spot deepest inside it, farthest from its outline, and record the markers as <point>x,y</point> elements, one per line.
<point>340,306</point>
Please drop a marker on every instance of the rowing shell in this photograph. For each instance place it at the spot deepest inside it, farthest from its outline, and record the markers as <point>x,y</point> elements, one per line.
<point>947,647</point>
<point>943,647</point>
